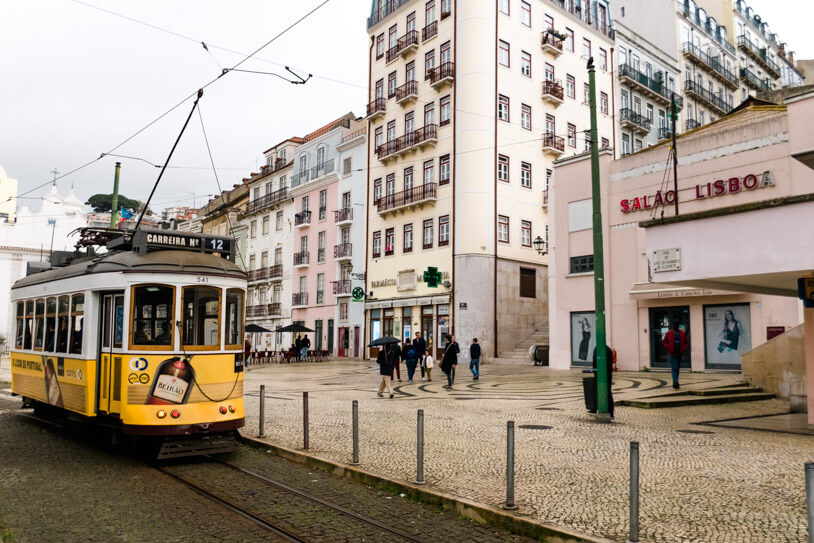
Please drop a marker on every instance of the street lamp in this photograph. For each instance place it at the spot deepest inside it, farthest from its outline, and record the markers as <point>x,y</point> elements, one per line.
<point>541,246</point>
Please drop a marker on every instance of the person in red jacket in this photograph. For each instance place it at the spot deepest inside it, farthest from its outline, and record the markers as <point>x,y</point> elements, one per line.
<point>675,340</point>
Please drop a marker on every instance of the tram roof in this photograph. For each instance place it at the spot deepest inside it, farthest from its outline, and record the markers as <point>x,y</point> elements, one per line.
<point>166,261</point>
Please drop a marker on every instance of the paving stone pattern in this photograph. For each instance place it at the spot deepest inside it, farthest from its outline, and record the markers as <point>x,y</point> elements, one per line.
<point>731,485</point>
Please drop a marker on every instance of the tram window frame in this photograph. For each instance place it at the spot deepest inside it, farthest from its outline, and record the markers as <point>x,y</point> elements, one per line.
<point>49,343</point>
<point>240,318</point>
<point>118,321</point>
<point>63,318</point>
<point>152,318</point>
<point>39,324</point>
<point>77,312</point>
<point>19,333</point>
<point>28,341</point>
<point>217,314</point>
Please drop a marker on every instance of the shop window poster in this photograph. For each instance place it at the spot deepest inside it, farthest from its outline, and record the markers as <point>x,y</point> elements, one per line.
<point>727,332</point>
<point>583,338</point>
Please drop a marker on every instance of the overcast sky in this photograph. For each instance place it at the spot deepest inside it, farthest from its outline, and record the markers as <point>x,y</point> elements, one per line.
<point>77,81</point>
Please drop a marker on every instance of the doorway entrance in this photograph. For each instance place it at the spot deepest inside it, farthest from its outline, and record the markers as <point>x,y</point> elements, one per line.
<point>660,319</point>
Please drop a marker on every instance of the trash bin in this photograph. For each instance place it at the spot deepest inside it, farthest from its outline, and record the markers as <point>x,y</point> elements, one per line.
<point>540,355</point>
<point>589,389</point>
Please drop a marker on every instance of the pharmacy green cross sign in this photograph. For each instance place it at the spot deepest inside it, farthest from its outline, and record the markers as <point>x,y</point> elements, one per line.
<point>432,277</point>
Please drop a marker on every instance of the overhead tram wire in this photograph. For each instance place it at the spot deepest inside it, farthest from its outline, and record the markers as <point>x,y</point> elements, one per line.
<point>176,106</point>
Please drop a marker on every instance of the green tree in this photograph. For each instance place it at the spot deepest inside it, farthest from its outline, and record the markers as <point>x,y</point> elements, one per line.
<point>103,203</point>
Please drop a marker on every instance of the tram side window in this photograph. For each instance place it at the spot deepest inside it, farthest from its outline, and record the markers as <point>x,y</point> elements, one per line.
<point>39,325</point>
<point>77,322</point>
<point>29,324</point>
<point>63,306</point>
<point>50,324</point>
<point>234,317</point>
<point>201,316</point>
<point>152,316</point>
<point>18,342</point>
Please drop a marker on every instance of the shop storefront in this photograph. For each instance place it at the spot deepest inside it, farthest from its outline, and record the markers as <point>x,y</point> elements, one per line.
<point>401,318</point>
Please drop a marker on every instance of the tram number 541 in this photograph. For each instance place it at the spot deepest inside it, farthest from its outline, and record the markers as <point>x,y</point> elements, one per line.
<point>201,279</point>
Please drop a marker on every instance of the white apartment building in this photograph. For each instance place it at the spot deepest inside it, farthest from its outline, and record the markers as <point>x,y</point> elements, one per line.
<point>471,102</point>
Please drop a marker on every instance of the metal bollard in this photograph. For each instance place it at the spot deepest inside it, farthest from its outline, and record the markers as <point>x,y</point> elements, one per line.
<point>510,466</point>
<point>305,421</point>
<point>355,461</point>
<point>262,429</point>
<point>419,480</point>
<point>810,499</point>
<point>634,492</point>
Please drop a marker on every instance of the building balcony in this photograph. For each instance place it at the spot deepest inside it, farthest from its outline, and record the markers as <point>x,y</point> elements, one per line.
<point>551,44</point>
<point>342,288</point>
<point>267,201</point>
<point>691,124</point>
<point>634,121</point>
<point>552,92</point>
<point>301,259</point>
<point>272,273</point>
<point>343,216</point>
<point>385,9</point>
<point>275,309</point>
<point>404,46</point>
<point>553,144</point>
<point>302,219</point>
<point>343,251</point>
<point>665,133</point>
<point>377,108</point>
<point>302,177</point>
<point>716,103</point>
<point>427,135</point>
<point>415,196</point>
<point>257,310</point>
<point>758,55</point>
<point>429,31</point>
<point>712,65</point>
<point>442,75</point>
<point>299,299</point>
<point>278,164</point>
<point>652,88</point>
<point>276,272</point>
<point>407,93</point>
<point>751,80</point>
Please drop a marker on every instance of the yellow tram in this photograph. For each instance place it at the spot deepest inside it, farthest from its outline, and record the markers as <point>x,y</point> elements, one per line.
<point>145,339</point>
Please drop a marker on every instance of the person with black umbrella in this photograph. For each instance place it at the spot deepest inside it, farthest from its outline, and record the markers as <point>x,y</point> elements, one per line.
<point>385,362</point>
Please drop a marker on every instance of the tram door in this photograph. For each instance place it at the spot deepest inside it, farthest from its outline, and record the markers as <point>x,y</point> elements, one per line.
<point>110,355</point>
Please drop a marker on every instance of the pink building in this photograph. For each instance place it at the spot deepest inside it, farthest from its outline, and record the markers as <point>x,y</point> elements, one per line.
<point>726,267</point>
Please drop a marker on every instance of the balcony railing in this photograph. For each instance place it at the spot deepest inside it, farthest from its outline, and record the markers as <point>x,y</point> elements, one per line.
<point>276,271</point>
<point>342,287</point>
<point>652,87</point>
<point>377,107</point>
<point>267,201</point>
<point>429,31</point>
<point>275,308</point>
<point>299,298</point>
<point>415,195</point>
<point>552,91</point>
<point>692,124</point>
<point>717,69</point>
<point>407,141</point>
<point>278,164</point>
<point>586,15</point>
<point>343,250</point>
<point>551,43</point>
<point>444,73</point>
<point>405,43</point>
<point>406,92</point>
<point>302,218</point>
<point>257,310</point>
<point>301,258</point>
<point>553,143</point>
<point>386,8</point>
<point>343,215</point>
<point>758,55</point>
<point>700,93</point>
<point>695,17</point>
<point>752,80</point>
<point>304,176</point>
<point>258,275</point>
<point>637,121</point>
<point>665,133</point>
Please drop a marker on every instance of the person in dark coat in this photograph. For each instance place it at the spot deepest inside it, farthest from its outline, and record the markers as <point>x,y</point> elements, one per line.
<point>396,350</point>
<point>450,360</point>
<point>474,355</point>
<point>420,347</point>
<point>675,340</point>
<point>298,347</point>
<point>609,364</point>
<point>385,362</point>
<point>410,358</point>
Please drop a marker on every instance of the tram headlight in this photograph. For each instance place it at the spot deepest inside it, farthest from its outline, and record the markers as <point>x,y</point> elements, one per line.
<point>175,413</point>
<point>161,414</point>
<point>231,408</point>
<point>222,409</point>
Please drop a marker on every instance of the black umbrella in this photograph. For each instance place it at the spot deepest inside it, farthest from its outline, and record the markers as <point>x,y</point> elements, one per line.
<point>386,340</point>
<point>296,327</point>
<point>253,328</point>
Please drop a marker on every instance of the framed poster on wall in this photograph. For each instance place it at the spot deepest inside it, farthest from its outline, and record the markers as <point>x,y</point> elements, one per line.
<point>727,335</point>
<point>583,338</point>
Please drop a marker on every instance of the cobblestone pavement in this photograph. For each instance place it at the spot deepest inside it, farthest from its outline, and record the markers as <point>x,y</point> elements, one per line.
<point>722,485</point>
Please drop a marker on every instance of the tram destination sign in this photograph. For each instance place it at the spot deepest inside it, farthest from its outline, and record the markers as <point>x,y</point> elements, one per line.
<point>151,240</point>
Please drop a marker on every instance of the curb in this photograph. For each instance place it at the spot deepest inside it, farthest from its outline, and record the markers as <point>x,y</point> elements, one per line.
<point>483,514</point>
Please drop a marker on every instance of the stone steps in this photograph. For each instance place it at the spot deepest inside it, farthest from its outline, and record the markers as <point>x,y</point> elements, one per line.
<point>695,398</point>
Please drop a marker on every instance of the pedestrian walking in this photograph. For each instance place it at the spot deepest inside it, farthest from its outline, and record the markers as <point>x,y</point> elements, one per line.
<point>396,350</point>
<point>609,364</point>
<point>384,360</point>
<point>410,359</point>
<point>420,347</point>
<point>675,340</point>
<point>450,360</point>
<point>427,361</point>
<point>306,344</point>
<point>298,347</point>
<point>474,355</point>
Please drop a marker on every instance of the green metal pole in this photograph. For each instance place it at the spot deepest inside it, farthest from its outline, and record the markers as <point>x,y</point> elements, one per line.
<point>114,205</point>
<point>602,376</point>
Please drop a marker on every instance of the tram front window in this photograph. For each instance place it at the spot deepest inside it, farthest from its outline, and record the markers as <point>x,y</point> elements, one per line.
<point>29,324</point>
<point>77,322</point>
<point>50,324</point>
<point>39,325</point>
<point>201,316</point>
<point>234,317</point>
<point>18,342</point>
<point>152,316</point>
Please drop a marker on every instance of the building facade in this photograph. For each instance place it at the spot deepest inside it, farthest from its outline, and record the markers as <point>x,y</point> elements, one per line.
<point>470,103</point>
